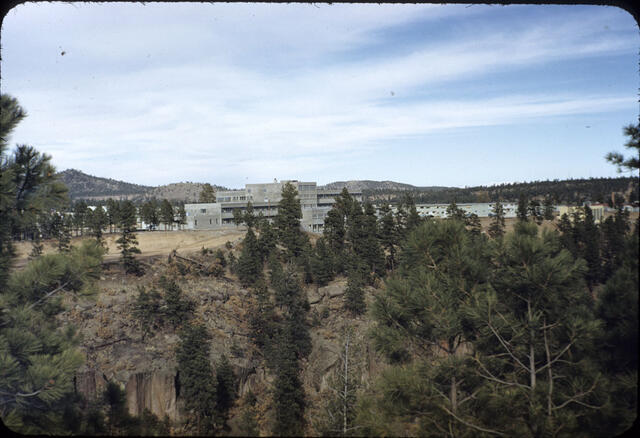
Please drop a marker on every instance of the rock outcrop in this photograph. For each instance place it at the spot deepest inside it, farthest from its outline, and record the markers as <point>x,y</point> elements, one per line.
<point>155,391</point>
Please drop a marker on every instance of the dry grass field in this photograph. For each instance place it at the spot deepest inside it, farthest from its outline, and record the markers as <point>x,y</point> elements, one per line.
<point>151,243</point>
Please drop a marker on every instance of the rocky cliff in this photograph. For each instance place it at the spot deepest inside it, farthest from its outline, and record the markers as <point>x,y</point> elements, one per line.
<point>146,367</point>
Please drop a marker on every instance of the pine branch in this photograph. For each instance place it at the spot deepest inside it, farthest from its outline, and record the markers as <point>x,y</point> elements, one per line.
<point>482,429</point>
<point>47,296</point>
<point>504,344</point>
<point>564,350</point>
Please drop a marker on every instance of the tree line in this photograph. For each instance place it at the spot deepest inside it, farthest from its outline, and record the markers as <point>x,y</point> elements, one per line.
<point>573,191</point>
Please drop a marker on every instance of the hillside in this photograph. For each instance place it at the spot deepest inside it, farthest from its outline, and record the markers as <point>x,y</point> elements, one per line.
<point>89,187</point>
<point>86,186</point>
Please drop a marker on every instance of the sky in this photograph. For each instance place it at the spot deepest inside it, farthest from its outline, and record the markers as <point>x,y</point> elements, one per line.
<point>430,95</point>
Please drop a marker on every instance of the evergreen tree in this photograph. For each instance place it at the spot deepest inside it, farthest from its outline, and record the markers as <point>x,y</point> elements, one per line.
<point>197,381</point>
<point>207,195</point>
<point>354,294</point>
<point>288,396</point>
<point>146,310</point>
<point>388,235</point>
<point>182,216</point>
<point>38,357</point>
<point>127,243</point>
<point>523,203</point>
<point>80,216</point>
<point>225,389</point>
<point>267,240</point>
<point>497,227</point>
<point>150,213</point>
<point>250,262</point>
<point>61,226</point>
<point>113,214</point>
<point>534,211</point>
<point>455,213</point>
<point>178,309</point>
<point>591,248</point>
<point>97,222</point>
<point>322,263</point>
<point>475,227</point>
<point>548,208</point>
<point>166,214</point>
<point>287,223</point>
<point>534,328</point>
<point>632,162</point>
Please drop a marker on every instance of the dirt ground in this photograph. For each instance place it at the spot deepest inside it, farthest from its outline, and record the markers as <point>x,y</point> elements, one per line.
<point>151,243</point>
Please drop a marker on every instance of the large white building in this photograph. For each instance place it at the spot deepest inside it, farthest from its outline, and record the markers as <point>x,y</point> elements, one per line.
<point>264,198</point>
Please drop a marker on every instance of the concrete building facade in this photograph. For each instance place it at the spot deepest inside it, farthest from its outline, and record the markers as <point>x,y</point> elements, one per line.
<point>264,198</point>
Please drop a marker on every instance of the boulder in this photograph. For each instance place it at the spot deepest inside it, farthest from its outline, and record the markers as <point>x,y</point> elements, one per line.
<point>334,289</point>
<point>313,296</point>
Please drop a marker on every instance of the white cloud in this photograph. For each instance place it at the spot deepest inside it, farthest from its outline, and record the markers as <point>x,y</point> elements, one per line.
<point>215,99</point>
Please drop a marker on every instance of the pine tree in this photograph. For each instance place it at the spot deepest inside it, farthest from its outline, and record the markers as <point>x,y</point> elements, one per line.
<point>632,162</point>
<point>523,203</point>
<point>166,214</point>
<point>146,310</point>
<point>267,240</point>
<point>38,357</point>
<point>225,389</point>
<point>182,216</point>
<point>322,263</point>
<point>287,223</point>
<point>250,262</point>
<point>178,309</point>
<point>534,211</point>
<point>288,396</point>
<point>548,208</point>
<point>113,214</point>
<point>455,213</point>
<point>591,248</point>
<point>354,294</point>
<point>80,216</point>
<point>388,235</point>
<point>150,214</point>
<point>207,195</point>
<point>497,227</point>
<point>97,221</point>
<point>197,380</point>
<point>127,243</point>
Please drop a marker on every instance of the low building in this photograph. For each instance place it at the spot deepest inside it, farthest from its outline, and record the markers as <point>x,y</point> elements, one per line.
<point>480,209</point>
<point>596,209</point>
<point>315,203</point>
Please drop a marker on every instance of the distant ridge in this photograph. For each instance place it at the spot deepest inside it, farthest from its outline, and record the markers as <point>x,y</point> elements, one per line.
<point>360,185</point>
<point>89,187</point>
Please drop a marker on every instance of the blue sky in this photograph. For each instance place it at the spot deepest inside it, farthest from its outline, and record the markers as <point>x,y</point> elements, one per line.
<point>449,95</point>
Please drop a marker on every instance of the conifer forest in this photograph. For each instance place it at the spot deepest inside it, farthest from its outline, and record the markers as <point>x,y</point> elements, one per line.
<point>387,323</point>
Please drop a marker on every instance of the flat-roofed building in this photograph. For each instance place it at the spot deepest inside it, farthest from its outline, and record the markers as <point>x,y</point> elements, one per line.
<point>264,198</point>
<point>481,209</point>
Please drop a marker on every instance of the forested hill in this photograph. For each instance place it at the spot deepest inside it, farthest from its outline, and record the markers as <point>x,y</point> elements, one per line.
<point>569,191</point>
<point>83,186</point>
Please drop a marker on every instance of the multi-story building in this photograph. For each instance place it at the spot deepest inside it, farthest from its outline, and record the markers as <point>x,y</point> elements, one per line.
<point>264,198</point>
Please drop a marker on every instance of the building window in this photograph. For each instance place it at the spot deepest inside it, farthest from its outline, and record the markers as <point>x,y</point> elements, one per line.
<point>196,222</point>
